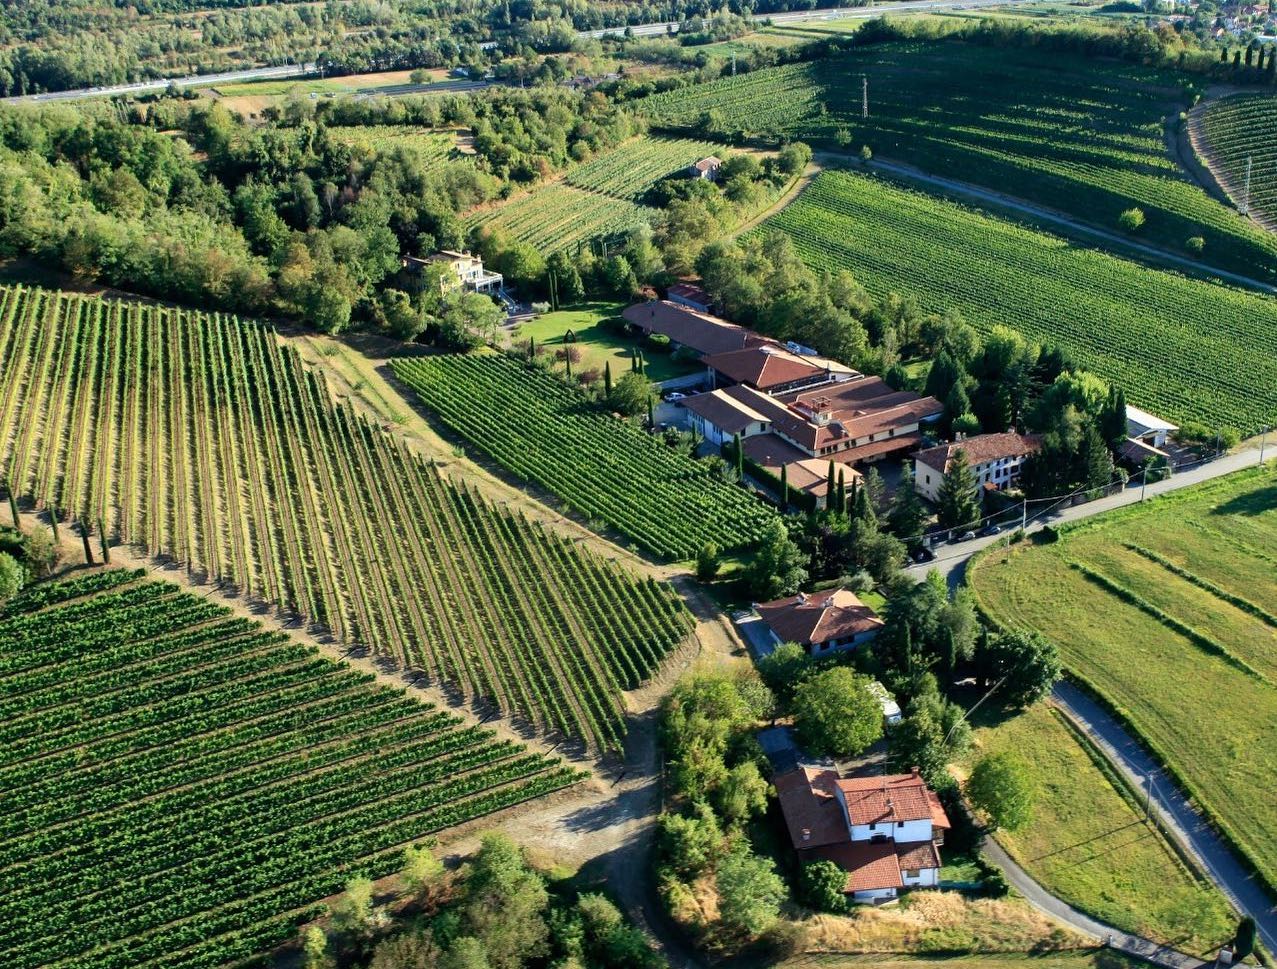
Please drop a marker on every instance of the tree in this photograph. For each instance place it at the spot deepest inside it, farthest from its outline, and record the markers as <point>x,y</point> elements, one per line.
<point>1001,787</point>
<point>907,514</point>
<point>777,568</point>
<point>1131,220</point>
<point>707,562</point>
<point>607,378</point>
<point>12,577</point>
<point>823,884</point>
<point>421,870</point>
<point>402,320</point>
<point>743,794</point>
<point>409,950</point>
<point>505,905</point>
<point>932,732</point>
<point>690,842</point>
<point>469,320</point>
<point>835,714</point>
<point>783,669</point>
<point>630,395</point>
<point>1244,940</point>
<point>959,506</point>
<point>1095,463</point>
<point>466,952</point>
<point>1026,664</point>
<point>315,949</point>
<point>353,912</point>
<point>1112,421</point>
<point>749,892</point>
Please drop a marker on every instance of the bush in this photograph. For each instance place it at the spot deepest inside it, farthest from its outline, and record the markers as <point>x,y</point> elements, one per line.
<point>540,307</point>
<point>1132,220</point>
<point>707,562</point>
<point>1195,245</point>
<point>659,342</point>
<point>861,581</point>
<point>821,884</point>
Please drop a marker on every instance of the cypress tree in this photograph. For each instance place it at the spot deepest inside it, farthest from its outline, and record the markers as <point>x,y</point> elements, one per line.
<point>532,348</point>
<point>607,377</point>
<point>53,523</point>
<point>1223,55</point>
<point>1250,56</point>
<point>842,491</point>
<point>784,487</point>
<point>106,545</point>
<point>651,419</point>
<point>567,360</point>
<point>740,455</point>
<point>88,549</point>
<point>864,508</point>
<point>13,505</point>
<point>642,364</point>
<point>829,488</point>
<point>633,360</point>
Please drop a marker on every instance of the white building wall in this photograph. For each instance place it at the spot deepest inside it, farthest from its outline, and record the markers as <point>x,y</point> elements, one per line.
<point>874,895</point>
<point>914,831</point>
<point>909,831</point>
<point>926,878</point>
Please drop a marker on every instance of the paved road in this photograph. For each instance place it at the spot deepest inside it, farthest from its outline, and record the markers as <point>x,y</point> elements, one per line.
<point>824,13</point>
<point>952,559</point>
<point>1117,939</point>
<point>1050,216</point>
<point>228,77</point>
<point>1185,824</point>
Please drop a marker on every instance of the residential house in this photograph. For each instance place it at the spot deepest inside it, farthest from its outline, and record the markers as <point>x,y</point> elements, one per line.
<point>707,168</point>
<point>466,271</point>
<point>773,369</point>
<point>699,332</point>
<point>884,832</point>
<point>821,622</point>
<point>995,461</point>
<point>691,296</point>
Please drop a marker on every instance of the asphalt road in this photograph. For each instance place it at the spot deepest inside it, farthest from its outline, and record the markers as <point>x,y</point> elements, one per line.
<point>951,559</point>
<point>228,77</point>
<point>1177,815</point>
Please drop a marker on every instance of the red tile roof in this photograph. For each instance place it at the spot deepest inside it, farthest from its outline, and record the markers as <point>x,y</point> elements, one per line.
<point>912,855</point>
<point>728,413</point>
<point>809,802</point>
<point>709,162</point>
<point>690,291</point>
<point>764,366</point>
<point>870,865</point>
<point>699,331</point>
<point>819,617</point>
<point>981,449</point>
<point>891,797</point>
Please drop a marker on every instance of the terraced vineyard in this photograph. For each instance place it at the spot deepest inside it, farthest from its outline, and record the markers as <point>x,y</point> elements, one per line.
<point>430,145</point>
<point>202,438</point>
<point>606,469</point>
<point>1186,349</point>
<point>1238,128</point>
<point>180,787</point>
<point>1085,137</point>
<point>597,199</point>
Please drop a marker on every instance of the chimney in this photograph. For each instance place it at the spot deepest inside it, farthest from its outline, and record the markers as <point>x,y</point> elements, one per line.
<point>914,771</point>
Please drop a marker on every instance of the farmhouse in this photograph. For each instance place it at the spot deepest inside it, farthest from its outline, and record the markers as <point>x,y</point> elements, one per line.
<point>884,832</point>
<point>995,461</point>
<point>691,296</point>
<point>466,271</point>
<point>820,622</point>
<point>707,168</point>
<point>686,327</point>
<point>773,369</point>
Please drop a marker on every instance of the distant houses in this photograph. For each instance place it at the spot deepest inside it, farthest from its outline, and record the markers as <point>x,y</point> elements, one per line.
<point>995,461</point>
<point>821,622</point>
<point>885,832</point>
<point>707,168</point>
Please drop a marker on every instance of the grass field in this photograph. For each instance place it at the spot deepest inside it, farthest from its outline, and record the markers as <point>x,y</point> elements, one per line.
<point>1078,959</point>
<point>432,146</point>
<point>599,345</point>
<point>1090,845</point>
<point>346,84</point>
<point>180,787</point>
<point>1169,611</point>
<point>1183,348</point>
<point>1086,137</point>
<point>605,468</point>
<point>1239,129</point>
<point>205,440</point>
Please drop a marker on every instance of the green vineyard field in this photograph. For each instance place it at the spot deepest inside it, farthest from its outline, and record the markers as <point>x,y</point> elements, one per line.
<point>1085,137</point>
<point>431,146</point>
<point>605,468</point>
<point>1238,128</point>
<point>1183,348</point>
<point>180,787</point>
<point>203,439</point>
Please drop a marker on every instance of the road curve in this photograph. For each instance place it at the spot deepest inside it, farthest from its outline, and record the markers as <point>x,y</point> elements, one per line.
<point>1177,815</point>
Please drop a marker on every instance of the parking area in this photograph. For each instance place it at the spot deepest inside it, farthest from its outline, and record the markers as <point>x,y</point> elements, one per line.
<point>754,631</point>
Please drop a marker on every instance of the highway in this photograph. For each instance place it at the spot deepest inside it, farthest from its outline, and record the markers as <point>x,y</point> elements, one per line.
<point>285,71</point>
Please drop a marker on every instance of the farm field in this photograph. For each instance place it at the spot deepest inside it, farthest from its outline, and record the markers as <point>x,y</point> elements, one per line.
<point>432,146</point>
<point>1085,137</point>
<point>1237,128</point>
<point>606,469</point>
<point>1090,844</point>
<point>1187,588</point>
<point>344,84</point>
<point>602,197</point>
<point>598,344</point>
<point>203,439</point>
<point>1183,348</point>
<point>181,787</point>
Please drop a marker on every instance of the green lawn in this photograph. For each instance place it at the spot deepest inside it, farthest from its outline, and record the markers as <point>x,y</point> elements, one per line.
<point>598,344</point>
<point>1077,959</point>
<point>1199,689</point>
<point>1089,843</point>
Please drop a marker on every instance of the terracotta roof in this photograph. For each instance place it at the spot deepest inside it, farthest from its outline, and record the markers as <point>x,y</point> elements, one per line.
<point>818,617</point>
<point>690,291</point>
<point>726,412</point>
<point>808,802</point>
<point>891,797</point>
<point>870,865</point>
<point>855,409</point>
<point>981,449</point>
<point>917,854</point>
<point>766,366</point>
<point>707,163</point>
<point>699,331</point>
<point>811,475</point>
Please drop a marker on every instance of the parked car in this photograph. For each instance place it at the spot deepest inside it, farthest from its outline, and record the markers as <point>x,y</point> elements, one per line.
<point>965,537</point>
<point>922,554</point>
<point>675,396</point>
<point>991,530</point>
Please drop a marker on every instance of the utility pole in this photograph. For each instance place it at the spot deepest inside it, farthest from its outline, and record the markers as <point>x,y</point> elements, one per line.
<point>1148,796</point>
<point>864,95</point>
<point>1024,512</point>
<point>733,63</point>
<point>1262,441</point>
<point>1245,206</point>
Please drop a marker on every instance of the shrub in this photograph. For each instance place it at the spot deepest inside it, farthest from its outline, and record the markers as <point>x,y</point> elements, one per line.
<point>1132,220</point>
<point>1195,245</point>
<point>821,884</point>
<point>659,342</point>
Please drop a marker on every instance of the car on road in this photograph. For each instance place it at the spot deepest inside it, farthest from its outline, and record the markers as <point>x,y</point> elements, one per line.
<point>964,537</point>
<point>991,530</point>
<point>922,554</point>
<point>675,396</point>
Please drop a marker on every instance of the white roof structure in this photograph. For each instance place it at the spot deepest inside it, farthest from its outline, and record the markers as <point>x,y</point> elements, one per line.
<point>890,708</point>
<point>1141,422</point>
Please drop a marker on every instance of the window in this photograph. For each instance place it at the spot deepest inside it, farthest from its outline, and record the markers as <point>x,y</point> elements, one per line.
<point>900,824</point>
<point>912,872</point>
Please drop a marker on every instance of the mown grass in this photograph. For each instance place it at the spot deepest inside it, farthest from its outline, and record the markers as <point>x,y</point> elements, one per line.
<point>1090,844</point>
<point>1211,722</point>
<point>1073,959</point>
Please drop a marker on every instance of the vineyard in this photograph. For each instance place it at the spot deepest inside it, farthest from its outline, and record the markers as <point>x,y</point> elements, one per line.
<point>600,198</point>
<point>1238,128</point>
<point>203,439</point>
<point>605,468</point>
<point>430,146</point>
<point>1085,137</point>
<point>180,786</point>
<point>1186,349</point>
